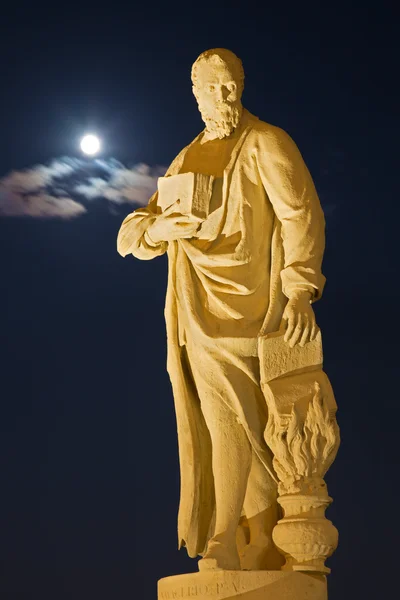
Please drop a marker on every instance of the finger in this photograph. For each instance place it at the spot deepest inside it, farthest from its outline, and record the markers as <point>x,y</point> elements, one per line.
<point>291,324</point>
<point>306,334</point>
<point>171,218</point>
<point>187,226</point>
<point>187,232</point>
<point>297,333</point>
<point>284,324</point>
<point>172,208</point>
<point>185,221</point>
<point>187,235</point>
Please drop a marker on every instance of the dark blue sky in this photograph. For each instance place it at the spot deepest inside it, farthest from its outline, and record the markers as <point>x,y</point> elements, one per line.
<point>88,451</point>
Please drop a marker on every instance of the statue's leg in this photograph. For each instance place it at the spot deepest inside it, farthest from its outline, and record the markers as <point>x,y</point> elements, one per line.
<point>226,377</point>
<point>261,509</point>
<point>231,460</point>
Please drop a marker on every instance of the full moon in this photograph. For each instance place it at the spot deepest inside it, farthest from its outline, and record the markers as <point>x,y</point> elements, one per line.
<point>90,144</point>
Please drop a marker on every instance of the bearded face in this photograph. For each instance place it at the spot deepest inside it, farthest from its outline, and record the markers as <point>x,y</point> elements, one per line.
<point>218,97</point>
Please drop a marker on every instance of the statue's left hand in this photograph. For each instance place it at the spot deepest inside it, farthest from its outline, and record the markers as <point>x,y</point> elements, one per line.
<point>300,320</point>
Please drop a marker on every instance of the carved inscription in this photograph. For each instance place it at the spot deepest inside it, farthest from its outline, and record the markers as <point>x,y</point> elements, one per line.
<point>201,590</point>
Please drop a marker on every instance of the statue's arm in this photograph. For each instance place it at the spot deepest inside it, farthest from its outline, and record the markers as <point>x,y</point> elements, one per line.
<point>292,193</point>
<point>133,237</point>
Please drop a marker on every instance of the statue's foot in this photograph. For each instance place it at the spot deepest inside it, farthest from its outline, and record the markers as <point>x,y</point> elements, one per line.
<point>261,556</point>
<point>220,556</point>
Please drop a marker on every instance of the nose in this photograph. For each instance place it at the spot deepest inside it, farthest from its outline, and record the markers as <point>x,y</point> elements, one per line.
<point>222,93</point>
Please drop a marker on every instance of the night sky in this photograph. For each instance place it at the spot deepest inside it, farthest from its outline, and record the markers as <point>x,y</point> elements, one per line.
<point>88,449</point>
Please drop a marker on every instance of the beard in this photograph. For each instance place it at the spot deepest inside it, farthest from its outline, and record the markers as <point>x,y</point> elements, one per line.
<point>223,119</point>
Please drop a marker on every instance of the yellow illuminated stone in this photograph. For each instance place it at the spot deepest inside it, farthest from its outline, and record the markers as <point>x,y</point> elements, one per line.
<point>240,219</point>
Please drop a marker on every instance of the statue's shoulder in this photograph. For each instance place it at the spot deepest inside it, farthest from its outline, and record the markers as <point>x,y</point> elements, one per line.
<point>270,133</point>
<point>271,138</point>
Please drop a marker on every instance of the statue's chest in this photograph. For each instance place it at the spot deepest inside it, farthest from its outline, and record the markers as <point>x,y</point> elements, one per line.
<point>210,158</point>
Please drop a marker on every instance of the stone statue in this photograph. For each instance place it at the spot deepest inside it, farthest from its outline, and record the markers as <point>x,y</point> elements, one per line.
<point>239,217</point>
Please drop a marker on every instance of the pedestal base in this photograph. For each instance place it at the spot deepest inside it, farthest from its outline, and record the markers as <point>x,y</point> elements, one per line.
<point>246,585</point>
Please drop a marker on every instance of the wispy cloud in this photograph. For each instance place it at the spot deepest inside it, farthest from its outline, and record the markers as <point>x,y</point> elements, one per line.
<point>66,188</point>
<point>27,193</point>
<point>124,185</point>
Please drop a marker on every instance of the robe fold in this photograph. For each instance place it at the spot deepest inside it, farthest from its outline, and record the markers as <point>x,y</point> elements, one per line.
<point>262,241</point>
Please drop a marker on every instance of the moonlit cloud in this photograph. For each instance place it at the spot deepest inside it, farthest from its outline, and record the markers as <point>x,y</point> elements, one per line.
<point>67,187</point>
<point>134,186</point>
<point>26,193</point>
<point>39,205</point>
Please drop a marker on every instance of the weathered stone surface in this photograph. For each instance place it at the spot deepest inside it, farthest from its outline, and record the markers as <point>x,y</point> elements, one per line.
<point>246,585</point>
<point>239,217</point>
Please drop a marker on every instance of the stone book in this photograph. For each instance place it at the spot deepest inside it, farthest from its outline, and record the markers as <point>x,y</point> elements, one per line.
<point>278,359</point>
<point>193,190</point>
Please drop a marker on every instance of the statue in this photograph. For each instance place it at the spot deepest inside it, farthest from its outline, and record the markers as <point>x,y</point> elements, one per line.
<point>239,216</point>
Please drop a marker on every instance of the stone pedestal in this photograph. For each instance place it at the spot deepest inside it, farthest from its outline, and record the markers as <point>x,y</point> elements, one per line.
<point>246,585</point>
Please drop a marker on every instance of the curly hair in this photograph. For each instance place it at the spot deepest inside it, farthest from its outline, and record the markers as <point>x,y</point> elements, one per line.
<point>233,63</point>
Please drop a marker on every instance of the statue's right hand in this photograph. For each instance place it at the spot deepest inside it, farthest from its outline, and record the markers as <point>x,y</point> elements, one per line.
<point>172,225</point>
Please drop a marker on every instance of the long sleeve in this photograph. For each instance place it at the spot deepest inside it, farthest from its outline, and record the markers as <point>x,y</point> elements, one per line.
<point>133,237</point>
<point>293,196</point>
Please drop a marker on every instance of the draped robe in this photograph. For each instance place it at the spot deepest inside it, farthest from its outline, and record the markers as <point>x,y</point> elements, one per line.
<point>264,242</point>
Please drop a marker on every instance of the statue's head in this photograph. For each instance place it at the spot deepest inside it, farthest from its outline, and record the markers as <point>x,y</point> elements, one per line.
<point>218,82</point>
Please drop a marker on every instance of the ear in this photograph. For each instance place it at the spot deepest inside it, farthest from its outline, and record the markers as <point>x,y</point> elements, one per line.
<point>239,89</point>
